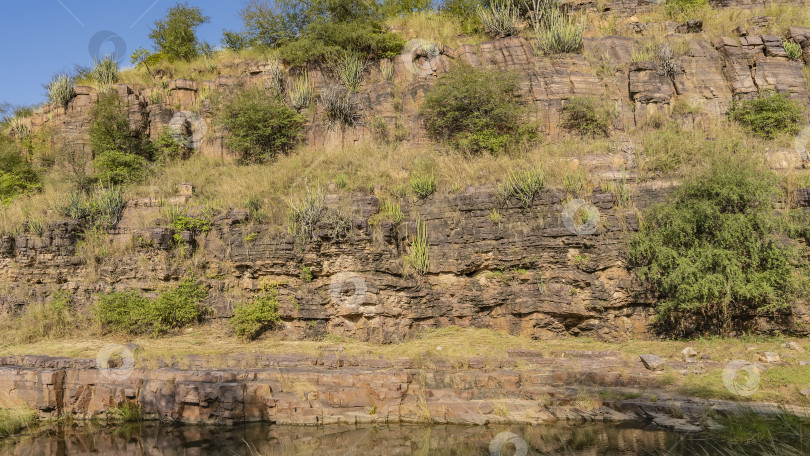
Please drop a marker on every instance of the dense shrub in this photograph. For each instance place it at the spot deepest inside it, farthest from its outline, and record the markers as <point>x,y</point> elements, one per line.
<point>114,167</point>
<point>16,174</point>
<point>135,314</point>
<point>306,31</point>
<point>251,319</point>
<point>585,116</point>
<point>120,157</point>
<point>175,35</point>
<point>769,114</point>
<point>477,111</point>
<point>259,126</point>
<point>718,250</point>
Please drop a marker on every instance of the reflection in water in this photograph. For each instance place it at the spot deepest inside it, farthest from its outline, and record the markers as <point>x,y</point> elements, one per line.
<point>267,440</point>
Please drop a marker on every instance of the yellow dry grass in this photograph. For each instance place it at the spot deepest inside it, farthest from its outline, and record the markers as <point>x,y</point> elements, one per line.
<point>435,27</point>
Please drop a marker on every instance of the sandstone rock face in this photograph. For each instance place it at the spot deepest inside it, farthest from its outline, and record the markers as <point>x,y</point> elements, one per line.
<point>303,390</point>
<point>534,272</point>
<point>530,274</point>
<point>526,387</point>
<point>712,76</point>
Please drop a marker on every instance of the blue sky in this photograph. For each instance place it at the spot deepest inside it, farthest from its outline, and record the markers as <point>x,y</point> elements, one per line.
<point>43,37</point>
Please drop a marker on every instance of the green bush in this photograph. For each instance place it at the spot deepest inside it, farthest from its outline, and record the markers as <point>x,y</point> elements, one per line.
<point>259,126</point>
<point>585,116</point>
<point>769,114</point>
<point>175,35</point>
<point>322,39</point>
<point>120,157</point>
<point>718,250</point>
<point>115,168</point>
<point>124,312</point>
<point>251,319</point>
<point>477,111</point>
<point>310,31</point>
<point>16,174</point>
<point>132,313</point>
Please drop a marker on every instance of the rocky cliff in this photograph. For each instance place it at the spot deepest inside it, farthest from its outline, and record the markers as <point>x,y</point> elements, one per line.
<point>534,271</point>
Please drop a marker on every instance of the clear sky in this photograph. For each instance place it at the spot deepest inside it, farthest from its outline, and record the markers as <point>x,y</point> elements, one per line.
<point>39,38</point>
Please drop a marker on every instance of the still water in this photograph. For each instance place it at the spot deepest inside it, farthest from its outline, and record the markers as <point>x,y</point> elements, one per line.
<point>267,440</point>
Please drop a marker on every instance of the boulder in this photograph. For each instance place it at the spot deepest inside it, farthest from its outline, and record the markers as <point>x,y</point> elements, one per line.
<point>653,362</point>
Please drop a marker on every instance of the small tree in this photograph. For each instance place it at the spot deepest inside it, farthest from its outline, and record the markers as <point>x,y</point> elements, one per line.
<point>719,250</point>
<point>175,35</point>
<point>259,126</point>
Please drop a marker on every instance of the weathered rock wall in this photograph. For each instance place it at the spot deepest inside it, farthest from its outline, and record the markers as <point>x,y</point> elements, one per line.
<point>526,273</point>
<point>533,271</point>
<point>526,387</point>
<point>330,390</point>
<point>707,77</point>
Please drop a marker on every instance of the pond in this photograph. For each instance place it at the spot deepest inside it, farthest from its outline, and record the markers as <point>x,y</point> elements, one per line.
<point>266,440</point>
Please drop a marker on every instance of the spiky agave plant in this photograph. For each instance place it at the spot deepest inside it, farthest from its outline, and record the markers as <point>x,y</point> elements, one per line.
<point>19,127</point>
<point>349,68</point>
<point>276,81</point>
<point>104,72</point>
<point>387,69</point>
<point>500,19</point>
<point>302,91</point>
<point>564,33</point>
<point>340,106</point>
<point>61,90</point>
